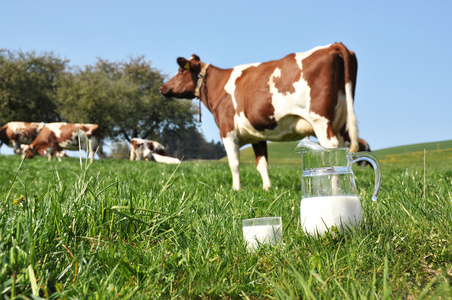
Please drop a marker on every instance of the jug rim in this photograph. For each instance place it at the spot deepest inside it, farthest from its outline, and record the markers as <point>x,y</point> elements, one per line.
<point>324,150</point>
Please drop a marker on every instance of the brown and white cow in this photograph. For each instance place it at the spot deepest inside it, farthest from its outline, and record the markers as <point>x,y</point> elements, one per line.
<point>14,134</point>
<point>150,150</point>
<point>55,137</point>
<point>302,94</point>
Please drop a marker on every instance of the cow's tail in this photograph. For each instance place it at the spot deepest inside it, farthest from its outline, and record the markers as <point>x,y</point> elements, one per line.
<point>350,69</point>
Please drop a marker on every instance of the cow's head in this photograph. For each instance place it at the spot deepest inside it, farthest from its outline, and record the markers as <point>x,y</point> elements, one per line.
<point>183,84</point>
<point>27,151</point>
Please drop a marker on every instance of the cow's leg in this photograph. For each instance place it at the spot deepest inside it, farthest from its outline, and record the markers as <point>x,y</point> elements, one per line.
<point>49,152</point>
<point>100,151</point>
<point>16,147</point>
<point>260,151</point>
<point>233,151</point>
<point>90,149</point>
<point>324,133</point>
<point>93,146</point>
<point>139,153</point>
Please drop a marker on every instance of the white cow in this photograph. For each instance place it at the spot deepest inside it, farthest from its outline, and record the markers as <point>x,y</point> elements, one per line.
<point>150,150</point>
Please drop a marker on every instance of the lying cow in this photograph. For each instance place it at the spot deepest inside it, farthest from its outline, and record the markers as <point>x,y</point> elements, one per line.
<point>301,94</point>
<point>55,137</point>
<point>14,134</point>
<point>150,150</point>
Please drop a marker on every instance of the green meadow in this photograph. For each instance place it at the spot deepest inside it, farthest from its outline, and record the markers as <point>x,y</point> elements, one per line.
<point>143,230</point>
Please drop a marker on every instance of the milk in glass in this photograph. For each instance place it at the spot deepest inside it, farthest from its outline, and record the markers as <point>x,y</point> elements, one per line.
<point>255,234</point>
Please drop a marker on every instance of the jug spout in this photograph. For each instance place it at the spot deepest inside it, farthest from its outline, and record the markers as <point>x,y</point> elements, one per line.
<point>306,145</point>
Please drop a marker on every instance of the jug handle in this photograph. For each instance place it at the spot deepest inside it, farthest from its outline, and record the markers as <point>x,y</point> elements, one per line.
<point>375,162</point>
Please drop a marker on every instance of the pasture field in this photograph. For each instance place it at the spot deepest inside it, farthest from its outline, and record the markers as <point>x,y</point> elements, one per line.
<point>142,230</point>
<point>438,154</point>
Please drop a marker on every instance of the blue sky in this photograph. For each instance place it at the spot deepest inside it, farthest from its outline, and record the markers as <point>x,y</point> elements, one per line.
<point>403,93</point>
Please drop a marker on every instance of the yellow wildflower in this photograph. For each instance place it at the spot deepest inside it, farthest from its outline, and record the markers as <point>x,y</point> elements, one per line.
<point>19,200</point>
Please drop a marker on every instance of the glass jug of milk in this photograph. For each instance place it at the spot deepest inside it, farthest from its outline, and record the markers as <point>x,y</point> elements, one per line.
<point>329,196</point>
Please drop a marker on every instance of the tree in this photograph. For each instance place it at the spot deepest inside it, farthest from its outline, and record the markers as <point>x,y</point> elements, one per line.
<point>147,114</point>
<point>124,99</point>
<point>28,86</point>
<point>91,96</point>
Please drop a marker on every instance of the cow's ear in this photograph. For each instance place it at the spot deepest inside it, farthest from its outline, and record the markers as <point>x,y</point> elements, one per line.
<point>183,63</point>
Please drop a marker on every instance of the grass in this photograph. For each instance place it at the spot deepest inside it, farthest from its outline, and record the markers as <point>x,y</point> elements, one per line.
<point>142,230</point>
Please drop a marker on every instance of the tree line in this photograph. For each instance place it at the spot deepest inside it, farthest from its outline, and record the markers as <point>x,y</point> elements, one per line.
<point>123,98</point>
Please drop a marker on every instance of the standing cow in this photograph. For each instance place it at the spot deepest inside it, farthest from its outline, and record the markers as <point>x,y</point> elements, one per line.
<point>14,134</point>
<point>302,94</point>
<point>55,137</point>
